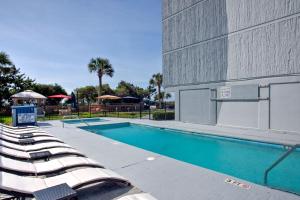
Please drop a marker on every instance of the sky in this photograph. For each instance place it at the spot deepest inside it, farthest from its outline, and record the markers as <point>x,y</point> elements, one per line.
<point>53,41</point>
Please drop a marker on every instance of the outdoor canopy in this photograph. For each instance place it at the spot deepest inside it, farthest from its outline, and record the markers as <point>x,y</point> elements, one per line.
<point>59,96</point>
<point>28,94</point>
<point>130,97</point>
<point>110,97</point>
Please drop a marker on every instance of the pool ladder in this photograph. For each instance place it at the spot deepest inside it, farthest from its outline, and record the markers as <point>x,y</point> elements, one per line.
<point>84,121</point>
<point>63,124</point>
<point>281,158</point>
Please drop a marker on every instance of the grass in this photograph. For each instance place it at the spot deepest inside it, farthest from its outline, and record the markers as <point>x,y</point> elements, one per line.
<point>88,115</point>
<point>5,120</point>
<point>8,120</point>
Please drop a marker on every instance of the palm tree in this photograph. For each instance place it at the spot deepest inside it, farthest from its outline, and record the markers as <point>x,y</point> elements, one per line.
<point>164,96</point>
<point>157,80</point>
<point>102,67</point>
<point>4,60</point>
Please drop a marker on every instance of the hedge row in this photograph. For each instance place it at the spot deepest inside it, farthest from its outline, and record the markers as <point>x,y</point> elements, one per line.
<point>163,115</point>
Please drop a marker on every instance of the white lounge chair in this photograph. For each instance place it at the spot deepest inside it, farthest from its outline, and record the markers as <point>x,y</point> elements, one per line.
<point>21,131</point>
<point>27,155</point>
<point>12,183</point>
<point>28,135</point>
<point>35,139</point>
<point>33,147</point>
<point>19,127</point>
<point>139,196</point>
<point>54,165</point>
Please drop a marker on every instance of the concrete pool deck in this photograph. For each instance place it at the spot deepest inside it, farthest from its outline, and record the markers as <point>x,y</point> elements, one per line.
<point>166,178</point>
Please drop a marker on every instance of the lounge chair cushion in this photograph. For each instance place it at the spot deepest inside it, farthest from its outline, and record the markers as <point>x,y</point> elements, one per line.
<point>45,167</point>
<point>25,155</point>
<point>33,147</point>
<point>12,182</point>
<point>28,185</point>
<point>11,164</point>
<point>36,139</point>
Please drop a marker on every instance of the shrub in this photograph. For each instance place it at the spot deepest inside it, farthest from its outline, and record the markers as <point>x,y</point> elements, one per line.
<point>161,115</point>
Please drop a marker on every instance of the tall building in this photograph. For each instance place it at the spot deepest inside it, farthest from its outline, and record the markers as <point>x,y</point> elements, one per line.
<point>234,62</point>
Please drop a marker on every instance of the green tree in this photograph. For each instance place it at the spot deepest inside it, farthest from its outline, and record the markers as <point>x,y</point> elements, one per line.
<point>164,96</point>
<point>48,90</point>
<point>11,79</point>
<point>106,90</point>
<point>156,81</point>
<point>102,67</point>
<point>4,60</point>
<point>86,94</point>
<point>141,92</point>
<point>125,89</point>
<point>128,89</point>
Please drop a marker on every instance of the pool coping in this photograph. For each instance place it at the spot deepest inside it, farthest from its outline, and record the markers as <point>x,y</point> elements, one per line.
<point>201,134</point>
<point>267,136</point>
<point>132,168</point>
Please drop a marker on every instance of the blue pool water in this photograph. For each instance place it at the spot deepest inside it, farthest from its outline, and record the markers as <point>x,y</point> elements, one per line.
<point>240,158</point>
<point>83,120</point>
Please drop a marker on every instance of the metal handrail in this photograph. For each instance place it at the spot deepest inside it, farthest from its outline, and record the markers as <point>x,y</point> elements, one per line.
<point>77,117</point>
<point>281,158</point>
<point>83,121</point>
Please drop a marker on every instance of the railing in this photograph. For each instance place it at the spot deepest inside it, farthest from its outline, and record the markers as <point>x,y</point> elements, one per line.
<point>84,121</point>
<point>281,158</point>
<point>76,117</point>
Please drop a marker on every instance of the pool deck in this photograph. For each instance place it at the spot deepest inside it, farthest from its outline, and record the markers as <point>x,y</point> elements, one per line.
<point>166,178</point>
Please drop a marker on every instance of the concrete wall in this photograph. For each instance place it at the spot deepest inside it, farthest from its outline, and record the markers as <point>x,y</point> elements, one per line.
<point>284,106</point>
<point>202,110</point>
<point>211,43</point>
<point>217,40</point>
<point>275,107</point>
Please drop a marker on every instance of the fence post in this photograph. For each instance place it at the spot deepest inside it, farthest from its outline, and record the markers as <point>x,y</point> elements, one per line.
<point>77,104</point>
<point>165,110</point>
<point>140,110</point>
<point>90,110</point>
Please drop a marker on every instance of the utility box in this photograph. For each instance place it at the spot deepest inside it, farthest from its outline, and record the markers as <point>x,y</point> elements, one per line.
<point>24,115</point>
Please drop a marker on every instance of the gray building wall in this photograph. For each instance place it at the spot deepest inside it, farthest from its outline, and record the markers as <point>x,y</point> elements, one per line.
<point>211,43</point>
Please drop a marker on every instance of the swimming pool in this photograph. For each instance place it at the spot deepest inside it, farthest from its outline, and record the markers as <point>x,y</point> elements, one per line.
<point>244,159</point>
<point>83,120</point>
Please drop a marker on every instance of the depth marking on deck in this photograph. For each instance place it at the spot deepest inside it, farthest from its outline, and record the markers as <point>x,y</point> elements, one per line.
<point>237,183</point>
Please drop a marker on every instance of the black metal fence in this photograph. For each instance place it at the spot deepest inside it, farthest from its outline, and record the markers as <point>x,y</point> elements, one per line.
<point>135,110</point>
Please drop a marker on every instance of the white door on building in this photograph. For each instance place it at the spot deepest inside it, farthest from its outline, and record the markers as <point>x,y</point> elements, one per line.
<point>195,106</point>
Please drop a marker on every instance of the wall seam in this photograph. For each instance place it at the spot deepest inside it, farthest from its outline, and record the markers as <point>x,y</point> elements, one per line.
<point>285,18</point>
<point>184,9</point>
<point>233,80</point>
